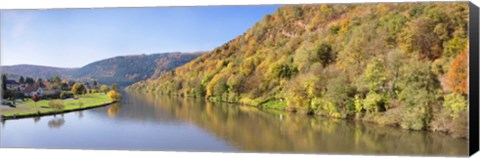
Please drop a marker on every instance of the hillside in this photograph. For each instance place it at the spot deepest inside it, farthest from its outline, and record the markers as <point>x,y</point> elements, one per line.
<point>36,71</point>
<point>123,70</point>
<point>395,64</point>
<point>126,70</point>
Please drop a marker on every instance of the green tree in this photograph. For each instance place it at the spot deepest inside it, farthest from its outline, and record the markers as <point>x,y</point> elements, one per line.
<point>455,46</point>
<point>115,87</point>
<point>284,71</point>
<point>200,90</point>
<point>78,89</point>
<point>21,80</point>
<point>455,103</point>
<point>235,82</point>
<point>375,75</point>
<point>324,53</point>
<point>40,82</point>
<point>4,86</point>
<point>55,86</point>
<point>55,79</point>
<point>374,102</point>
<point>29,81</point>
<point>64,86</point>
<point>418,86</point>
<point>220,87</point>
<point>95,84</point>
<point>340,93</point>
<point>104,89</point>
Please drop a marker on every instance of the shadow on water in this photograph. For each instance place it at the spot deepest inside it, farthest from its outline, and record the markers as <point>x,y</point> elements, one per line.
<point>255,130</point>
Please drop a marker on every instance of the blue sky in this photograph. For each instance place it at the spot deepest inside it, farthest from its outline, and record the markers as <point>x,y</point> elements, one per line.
<point>76,37</point>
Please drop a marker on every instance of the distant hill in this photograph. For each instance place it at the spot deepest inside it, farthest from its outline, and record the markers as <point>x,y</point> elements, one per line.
<point>36,71</point>
<point>126,70</point>
<point>123,70</point>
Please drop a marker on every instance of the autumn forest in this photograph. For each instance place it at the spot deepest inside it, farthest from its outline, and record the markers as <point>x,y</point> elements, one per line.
<point>396,64</point>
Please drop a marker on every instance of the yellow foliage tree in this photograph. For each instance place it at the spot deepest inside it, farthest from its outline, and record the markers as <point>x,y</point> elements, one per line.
<point>114,95</point>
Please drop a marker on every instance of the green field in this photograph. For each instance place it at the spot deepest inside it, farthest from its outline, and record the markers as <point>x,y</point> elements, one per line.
<point>29,108</point>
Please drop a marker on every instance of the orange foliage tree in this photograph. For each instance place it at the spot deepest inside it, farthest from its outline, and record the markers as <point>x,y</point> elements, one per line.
<point>457,76</point>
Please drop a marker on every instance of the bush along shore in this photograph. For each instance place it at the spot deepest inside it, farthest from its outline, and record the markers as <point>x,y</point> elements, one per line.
<point>31,108</point>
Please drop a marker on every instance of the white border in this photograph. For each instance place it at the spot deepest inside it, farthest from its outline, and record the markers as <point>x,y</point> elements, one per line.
<point>54,4</point>
<point>49,4</point>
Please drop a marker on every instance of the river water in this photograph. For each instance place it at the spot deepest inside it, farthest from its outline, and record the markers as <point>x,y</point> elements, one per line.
<point>176,124</point>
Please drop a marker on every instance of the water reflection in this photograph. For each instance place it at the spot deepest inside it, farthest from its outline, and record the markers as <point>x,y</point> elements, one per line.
<point>80,114</point>
<point>169,123</point>
<point>254,130</point>
<point>36,119</point>
<point>113,110</point>
<point>56,122</point>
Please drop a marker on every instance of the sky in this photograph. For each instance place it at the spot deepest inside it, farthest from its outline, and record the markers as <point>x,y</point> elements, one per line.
<point>76,37</point>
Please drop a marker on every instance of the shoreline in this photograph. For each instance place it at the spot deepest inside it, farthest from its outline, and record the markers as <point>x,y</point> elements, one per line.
<point>49,113</point>
<point>314,114</point>
<point>42,108</point>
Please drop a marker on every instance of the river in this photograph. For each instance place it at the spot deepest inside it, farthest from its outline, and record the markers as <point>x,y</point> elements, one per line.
<point>142,122</point>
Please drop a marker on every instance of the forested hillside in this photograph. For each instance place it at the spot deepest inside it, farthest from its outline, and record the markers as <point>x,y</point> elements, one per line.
<point>36,71</point>
<point>123,70</point>
<point>396,64</point>
<point>126,70</point>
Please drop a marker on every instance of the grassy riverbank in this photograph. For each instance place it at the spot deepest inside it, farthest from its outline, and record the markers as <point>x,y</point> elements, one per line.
<point>30,109</point>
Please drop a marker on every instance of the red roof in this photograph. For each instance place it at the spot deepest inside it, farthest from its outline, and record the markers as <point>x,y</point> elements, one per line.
<point>31,88</point>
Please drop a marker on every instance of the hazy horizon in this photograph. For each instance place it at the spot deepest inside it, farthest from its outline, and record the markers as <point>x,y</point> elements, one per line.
<point>98,60</point>
<point>72,38</point>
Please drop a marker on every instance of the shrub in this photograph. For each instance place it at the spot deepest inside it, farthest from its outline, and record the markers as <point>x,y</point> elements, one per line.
<point>56,104</point>
<point>374,102</point>
<point>114,95</point>
<point>66,94</point>
<point>62,95</point>
<point>104,89</point>
<point>459,126</point>
<point>413,118</point>
<point>456,103</point>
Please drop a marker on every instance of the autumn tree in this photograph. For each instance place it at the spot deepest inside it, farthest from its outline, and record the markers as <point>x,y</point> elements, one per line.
<point>457,76</point>
<point>36,98</point>
<point>423,36</point>
<point>114,95</point>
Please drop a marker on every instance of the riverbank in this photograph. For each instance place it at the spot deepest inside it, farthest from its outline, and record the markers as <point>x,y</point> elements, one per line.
<point>41,108</point>
<point>391,117</point>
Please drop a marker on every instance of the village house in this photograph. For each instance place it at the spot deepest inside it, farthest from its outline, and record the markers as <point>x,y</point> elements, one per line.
<point>32,89</point>
<point>28,90</point>
<point>12,84</point>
